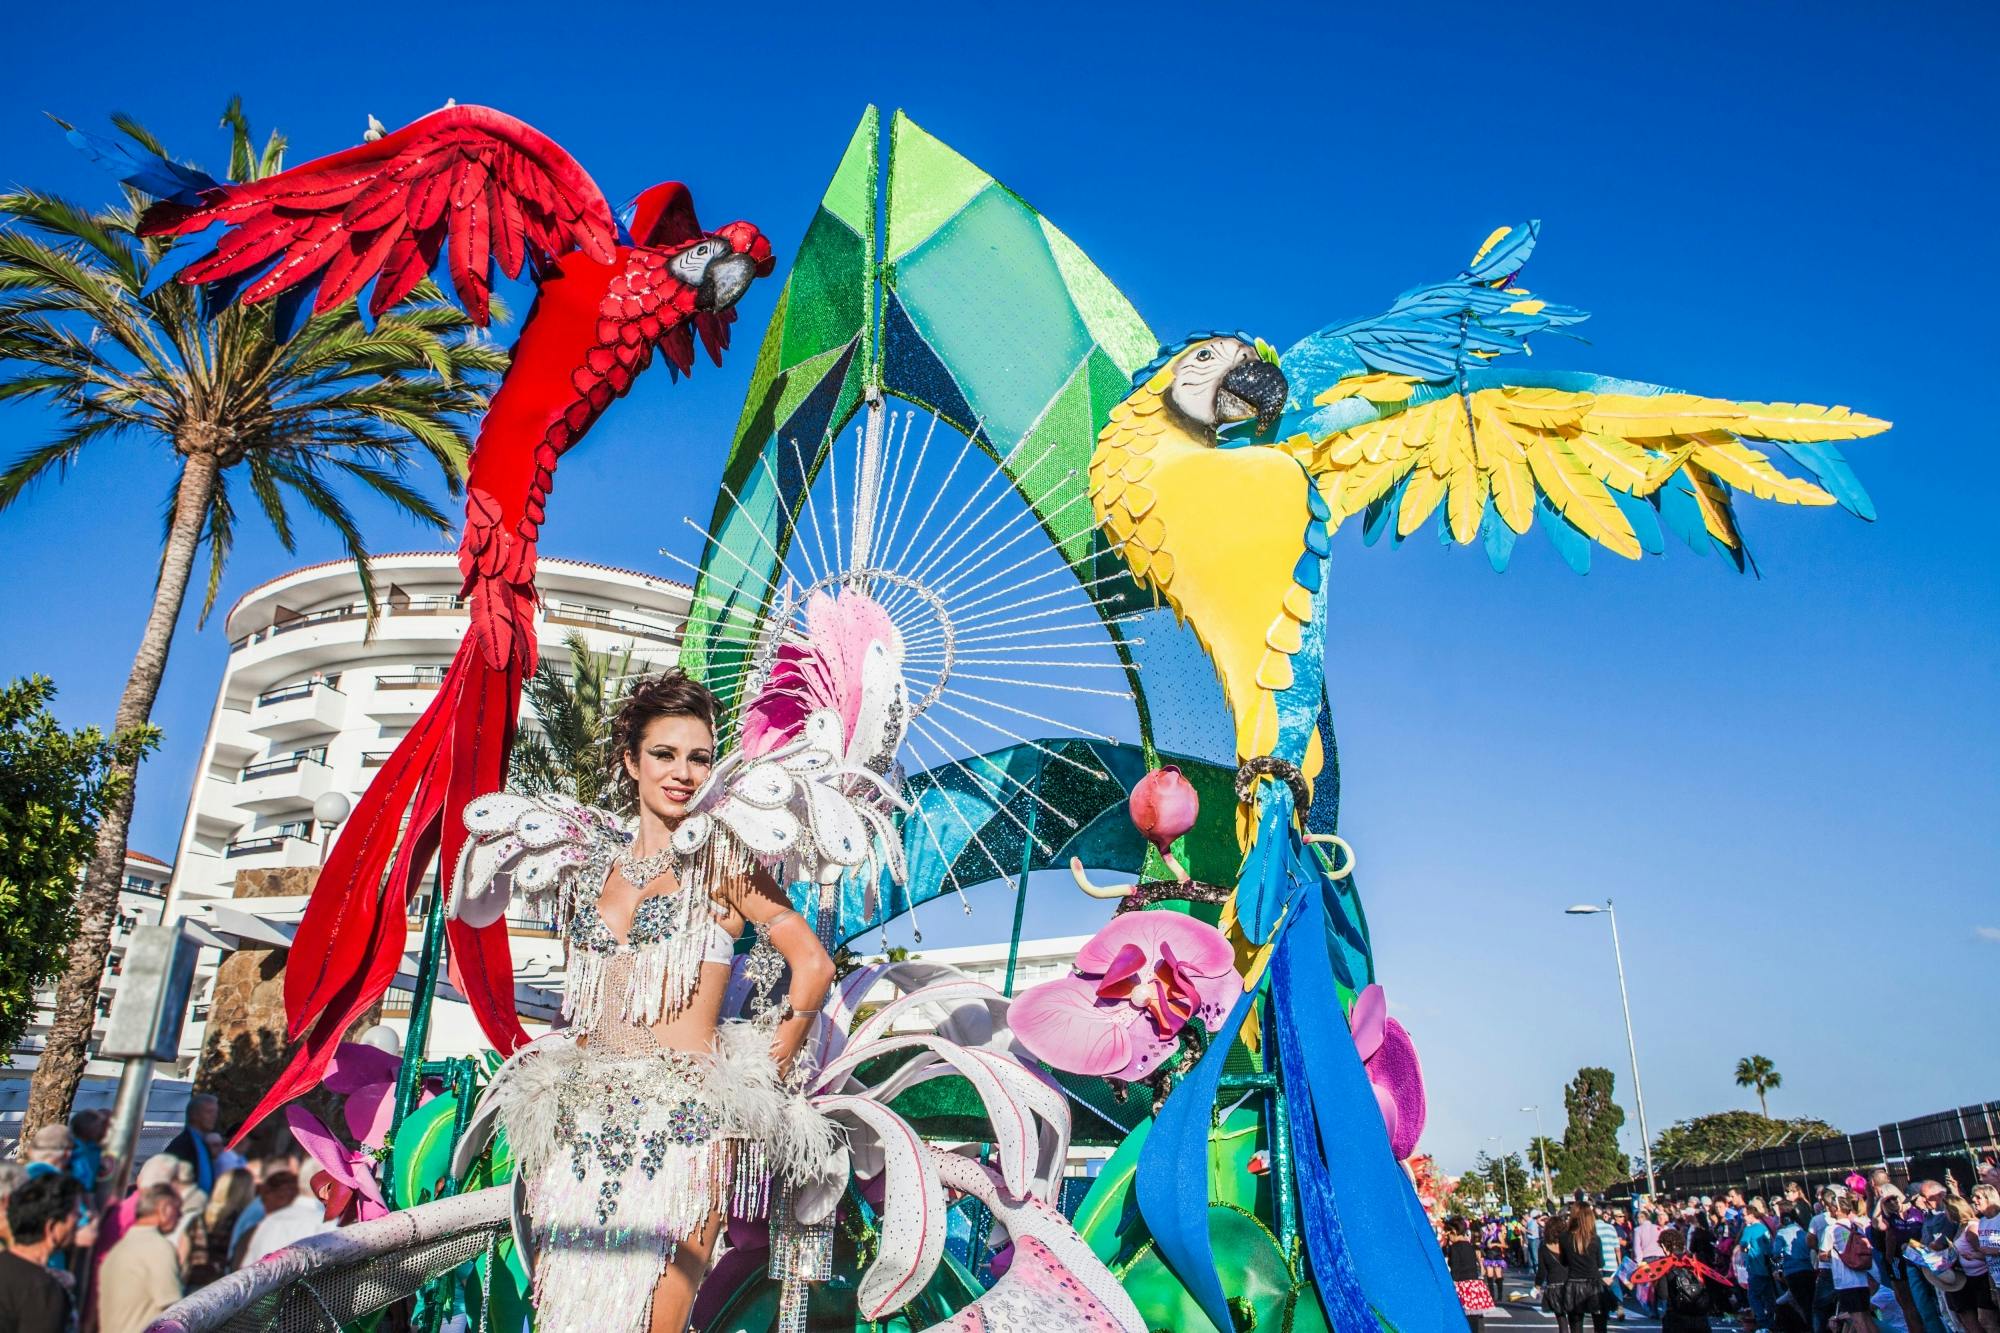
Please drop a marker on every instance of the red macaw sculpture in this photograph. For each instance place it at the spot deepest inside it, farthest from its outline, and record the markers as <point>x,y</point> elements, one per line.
<point>606,299</point>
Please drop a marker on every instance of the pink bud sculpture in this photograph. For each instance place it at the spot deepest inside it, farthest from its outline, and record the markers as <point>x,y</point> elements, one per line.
<point>1163,806</point>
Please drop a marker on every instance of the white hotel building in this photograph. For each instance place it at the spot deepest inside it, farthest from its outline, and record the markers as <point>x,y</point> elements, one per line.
<point>311,703</point>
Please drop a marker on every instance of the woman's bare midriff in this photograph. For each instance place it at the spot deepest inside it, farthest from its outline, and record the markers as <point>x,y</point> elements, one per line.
<point>693,1028</point>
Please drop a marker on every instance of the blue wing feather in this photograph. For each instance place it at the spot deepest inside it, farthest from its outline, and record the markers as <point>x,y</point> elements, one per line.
<point>1570,544</point>
<point>1677,508</point>
<point>1507,256</point>
<point>1645,522</point>
<point>145,171</point>
<point>1829,468</point>
<point>1435,333</point>
<point>1498,539</point>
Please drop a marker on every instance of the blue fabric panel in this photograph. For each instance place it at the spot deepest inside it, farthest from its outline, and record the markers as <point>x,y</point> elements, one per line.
<point>1371,1222</point>
<point>1172,1180</point>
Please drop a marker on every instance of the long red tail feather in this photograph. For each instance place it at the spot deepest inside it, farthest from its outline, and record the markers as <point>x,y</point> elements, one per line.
<point>350,943</point>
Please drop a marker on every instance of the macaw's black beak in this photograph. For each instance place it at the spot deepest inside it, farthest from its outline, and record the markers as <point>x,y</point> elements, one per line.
<point>724,282</point>
<point>1261,387</point>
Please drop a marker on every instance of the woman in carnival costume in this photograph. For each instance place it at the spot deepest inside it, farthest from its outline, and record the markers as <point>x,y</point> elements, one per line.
<point>642,1124</point>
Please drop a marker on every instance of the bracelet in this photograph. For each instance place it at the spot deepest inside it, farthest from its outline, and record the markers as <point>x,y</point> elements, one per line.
<point>793,1011</point>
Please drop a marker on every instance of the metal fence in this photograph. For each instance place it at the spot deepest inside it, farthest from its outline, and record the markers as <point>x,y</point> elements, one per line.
<point>1927,1146</point>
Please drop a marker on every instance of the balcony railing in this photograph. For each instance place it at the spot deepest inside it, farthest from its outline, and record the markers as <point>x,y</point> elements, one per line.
<point>423,678</point>
<point>261,843</point>
<point>530,925</point>
<point>302,690</point>
<point>145,888</point>
<point>290,763</point>
<point>411,606</point>
<point>589,617</point>
<point>375,758</point>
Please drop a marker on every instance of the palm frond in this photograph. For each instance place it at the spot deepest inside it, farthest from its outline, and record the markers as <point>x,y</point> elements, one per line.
<point>242,162</point>
<point>54,215</point>
<point>54,455</point>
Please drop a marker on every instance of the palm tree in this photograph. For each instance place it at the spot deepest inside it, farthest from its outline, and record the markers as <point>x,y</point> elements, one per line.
<point>1757,1071</point>
<point>568,752</point>
<point>87,330</point>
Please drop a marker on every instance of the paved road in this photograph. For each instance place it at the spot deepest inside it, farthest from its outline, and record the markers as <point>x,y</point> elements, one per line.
<point>1522,1316</point>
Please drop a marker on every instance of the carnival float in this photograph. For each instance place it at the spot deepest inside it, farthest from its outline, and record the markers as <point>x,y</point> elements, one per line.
<point>967,480</point>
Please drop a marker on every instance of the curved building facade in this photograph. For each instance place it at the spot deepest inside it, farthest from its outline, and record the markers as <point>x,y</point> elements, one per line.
<point>312,702</point>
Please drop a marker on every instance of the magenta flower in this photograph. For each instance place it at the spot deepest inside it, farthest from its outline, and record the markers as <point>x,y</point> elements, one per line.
<point>366,1077</point>
<point>1136,984</point>
<point>1390,1058</point>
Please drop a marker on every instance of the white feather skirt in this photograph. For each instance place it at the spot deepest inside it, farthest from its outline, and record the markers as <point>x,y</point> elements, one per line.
<point>628,1154</point>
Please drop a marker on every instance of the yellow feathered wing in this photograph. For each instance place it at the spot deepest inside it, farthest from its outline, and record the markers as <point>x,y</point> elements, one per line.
<point>1572,447</point>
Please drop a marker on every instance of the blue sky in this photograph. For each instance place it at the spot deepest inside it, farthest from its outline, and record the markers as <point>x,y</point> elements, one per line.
<point>1789,783</point>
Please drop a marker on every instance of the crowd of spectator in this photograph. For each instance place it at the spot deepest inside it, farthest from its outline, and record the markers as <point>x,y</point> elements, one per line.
<point>1866,1255</point>
<point>79,1259</point>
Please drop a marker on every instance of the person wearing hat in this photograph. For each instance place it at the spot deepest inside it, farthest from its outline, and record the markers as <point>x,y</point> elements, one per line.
<point>48,1154</point>
<point>49,1150</point>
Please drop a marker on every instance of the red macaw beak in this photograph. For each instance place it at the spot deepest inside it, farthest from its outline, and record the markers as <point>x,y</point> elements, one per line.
<point>727,278</point>
<point>745,239</point>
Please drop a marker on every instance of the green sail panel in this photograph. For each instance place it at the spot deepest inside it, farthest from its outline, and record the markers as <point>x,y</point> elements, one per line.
<point>811,374</point>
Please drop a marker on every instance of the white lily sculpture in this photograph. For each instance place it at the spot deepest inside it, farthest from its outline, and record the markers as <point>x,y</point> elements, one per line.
<point>1054,1281</point>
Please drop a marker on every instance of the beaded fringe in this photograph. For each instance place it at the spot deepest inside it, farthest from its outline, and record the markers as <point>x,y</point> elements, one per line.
<point>801,1255</point>
<point>654,981</point>
<point>611,1195</point>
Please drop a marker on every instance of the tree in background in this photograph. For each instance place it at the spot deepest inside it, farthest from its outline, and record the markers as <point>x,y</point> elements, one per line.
<point>1757,1071</point>
<point>54,786</point>
<point>568,751</point>
<point>1544,1158</point>
<point>1729,1134</point>
<point>1591,1160</point>
<point>1504,1180</point>
<point>97,338</point>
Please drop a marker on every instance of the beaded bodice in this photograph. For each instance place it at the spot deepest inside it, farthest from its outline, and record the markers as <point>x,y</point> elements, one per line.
<point>652,973</point>
<point>653,923</point>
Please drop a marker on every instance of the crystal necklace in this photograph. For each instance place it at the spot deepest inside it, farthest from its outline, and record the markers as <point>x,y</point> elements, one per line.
<point>639,871</point>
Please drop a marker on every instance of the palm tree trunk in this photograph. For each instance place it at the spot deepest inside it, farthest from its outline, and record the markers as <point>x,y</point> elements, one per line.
<point>60,1068</point>
<point>1763,1105</point>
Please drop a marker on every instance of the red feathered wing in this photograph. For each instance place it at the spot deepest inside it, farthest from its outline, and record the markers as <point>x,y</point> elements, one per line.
<point>500,191</point>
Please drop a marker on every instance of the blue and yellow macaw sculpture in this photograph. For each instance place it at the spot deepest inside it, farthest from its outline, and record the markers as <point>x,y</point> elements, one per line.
<point>1221,479</point>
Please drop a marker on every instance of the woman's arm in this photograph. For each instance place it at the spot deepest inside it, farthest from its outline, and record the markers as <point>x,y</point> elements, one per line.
<point>763,903</point>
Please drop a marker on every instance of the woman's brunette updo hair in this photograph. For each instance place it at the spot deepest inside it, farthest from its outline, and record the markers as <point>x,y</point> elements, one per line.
<point>670,694</point>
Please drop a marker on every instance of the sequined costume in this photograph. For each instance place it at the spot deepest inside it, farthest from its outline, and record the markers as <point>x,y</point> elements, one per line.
<point>627,1148</point>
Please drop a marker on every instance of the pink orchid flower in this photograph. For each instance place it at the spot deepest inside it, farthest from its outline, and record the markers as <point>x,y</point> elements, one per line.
<point>1136,985</point>
<point>366,1077</point>
<point>1390,1058</point>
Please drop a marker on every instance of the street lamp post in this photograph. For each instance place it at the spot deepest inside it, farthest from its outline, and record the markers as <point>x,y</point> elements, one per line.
<point>1638,1093</point>
<point>1506,1192</point>
<point>1542,1153</point>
